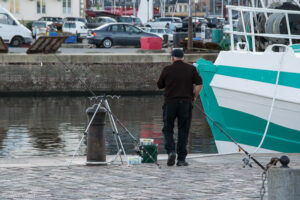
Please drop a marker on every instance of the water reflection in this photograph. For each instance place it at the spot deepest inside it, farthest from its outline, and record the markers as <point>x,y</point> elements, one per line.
<point>38,126</point>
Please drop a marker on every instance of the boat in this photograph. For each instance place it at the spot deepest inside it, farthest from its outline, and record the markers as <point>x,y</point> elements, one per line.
<point>254,96</point>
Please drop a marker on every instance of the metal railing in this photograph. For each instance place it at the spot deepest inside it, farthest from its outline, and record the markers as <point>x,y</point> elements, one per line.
<point>252,11</point>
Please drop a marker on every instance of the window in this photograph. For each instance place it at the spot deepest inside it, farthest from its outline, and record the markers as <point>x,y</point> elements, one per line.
<point>41,6</point>
<point>66,4</point>
<point>39,24</point>
<point>69,25</point>
<point>125,19</point>
<point>5,19</point>
<point>132,29</point>
<point>116,28</point>
<point>160,31</point>
<point>14,6</point>
<point>137,21</point>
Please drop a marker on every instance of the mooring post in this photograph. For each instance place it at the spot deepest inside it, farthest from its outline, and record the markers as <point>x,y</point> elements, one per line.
<point>96,154</point>
<point>283,183</point>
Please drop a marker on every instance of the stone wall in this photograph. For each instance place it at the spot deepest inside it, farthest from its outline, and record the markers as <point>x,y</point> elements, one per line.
<point>21,73</point>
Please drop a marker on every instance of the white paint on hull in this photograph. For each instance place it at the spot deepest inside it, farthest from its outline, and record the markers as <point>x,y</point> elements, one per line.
<point>260,60</point>
<point>255,98</point>
<point>225,147</point>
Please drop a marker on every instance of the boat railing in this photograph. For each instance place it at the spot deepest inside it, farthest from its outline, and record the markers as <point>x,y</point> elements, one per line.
<point>252,12</point>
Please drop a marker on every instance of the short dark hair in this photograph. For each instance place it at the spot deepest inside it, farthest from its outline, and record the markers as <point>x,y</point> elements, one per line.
<point>178,53</point>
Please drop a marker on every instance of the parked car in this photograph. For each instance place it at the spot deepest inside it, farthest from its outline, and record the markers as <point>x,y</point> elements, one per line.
<point>197,23</point>
<point>75,27</point>
<point>130,20</point>
<point>42,27</point>
<point>99,21</point>
<point>76,19</point>
<point>215,22</point>
<point>55,20</point>
<point>118,34</point>
<point>161,32</point>
<point>165,22</point>
<point>12,31</point>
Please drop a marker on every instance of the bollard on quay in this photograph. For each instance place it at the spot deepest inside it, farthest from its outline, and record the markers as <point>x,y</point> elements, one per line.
<point>96,154</point>
<point>284,182</point>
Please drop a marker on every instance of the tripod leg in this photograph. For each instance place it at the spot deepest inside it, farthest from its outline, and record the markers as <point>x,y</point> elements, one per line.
<point>115,129</point>
<point>75,153</point>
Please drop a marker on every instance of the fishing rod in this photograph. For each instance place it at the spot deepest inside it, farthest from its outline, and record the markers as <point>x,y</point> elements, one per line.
<point>137,143</point>
<point>229,137</point>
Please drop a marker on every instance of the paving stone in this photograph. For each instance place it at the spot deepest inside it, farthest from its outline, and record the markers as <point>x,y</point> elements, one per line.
<point>208,177</point>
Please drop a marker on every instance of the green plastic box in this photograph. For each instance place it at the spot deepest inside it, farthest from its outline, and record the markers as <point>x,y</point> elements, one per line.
<point>152,150</point>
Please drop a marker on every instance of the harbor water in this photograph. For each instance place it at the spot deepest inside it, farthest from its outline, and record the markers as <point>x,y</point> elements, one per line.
<point>53,126</point>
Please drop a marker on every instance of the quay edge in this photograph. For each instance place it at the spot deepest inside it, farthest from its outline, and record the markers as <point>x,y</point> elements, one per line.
<point>44,73</point>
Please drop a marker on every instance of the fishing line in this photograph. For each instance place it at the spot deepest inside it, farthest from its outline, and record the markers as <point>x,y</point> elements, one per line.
<point>137,143</point>
<point>229,137</point>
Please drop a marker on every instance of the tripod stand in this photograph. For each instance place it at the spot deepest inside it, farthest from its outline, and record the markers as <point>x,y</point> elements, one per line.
<point>103,100</point>
<point>113,124</point>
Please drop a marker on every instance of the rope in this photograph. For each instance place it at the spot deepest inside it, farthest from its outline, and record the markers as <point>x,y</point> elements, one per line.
<point>272,105</point>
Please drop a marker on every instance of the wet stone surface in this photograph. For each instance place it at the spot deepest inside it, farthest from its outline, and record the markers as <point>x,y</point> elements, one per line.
<point>208,177</point>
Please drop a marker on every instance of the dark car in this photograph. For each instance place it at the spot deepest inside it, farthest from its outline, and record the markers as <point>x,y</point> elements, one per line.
<point>130,20</point>
<point>118,34</point>
<point>99,21</point>
<point>197,22</point>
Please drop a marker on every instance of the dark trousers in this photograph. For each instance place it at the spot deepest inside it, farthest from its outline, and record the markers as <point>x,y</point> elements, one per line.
<point>182,110</point>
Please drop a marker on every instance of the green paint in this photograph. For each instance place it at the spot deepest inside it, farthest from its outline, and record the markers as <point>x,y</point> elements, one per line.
<point>266,76</point>
<point>245,128</point>
<point>296,48</point>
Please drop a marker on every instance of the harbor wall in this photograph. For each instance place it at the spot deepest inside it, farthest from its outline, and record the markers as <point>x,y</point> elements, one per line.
<point>42,73</point>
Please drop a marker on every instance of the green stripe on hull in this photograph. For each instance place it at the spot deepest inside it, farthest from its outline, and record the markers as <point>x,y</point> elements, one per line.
<point>266,76</point>
<point>248,129</point>
<point>244,128</point>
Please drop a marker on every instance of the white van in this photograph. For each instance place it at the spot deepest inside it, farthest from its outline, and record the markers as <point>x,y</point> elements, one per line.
<point>76,28</point>
<point>12,31</point>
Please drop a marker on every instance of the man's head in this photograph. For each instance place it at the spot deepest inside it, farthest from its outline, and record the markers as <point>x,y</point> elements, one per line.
<point>177,54</point>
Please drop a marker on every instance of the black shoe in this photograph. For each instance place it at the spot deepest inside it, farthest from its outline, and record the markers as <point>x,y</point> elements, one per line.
<point>181,163</point>
<point>171,159</point>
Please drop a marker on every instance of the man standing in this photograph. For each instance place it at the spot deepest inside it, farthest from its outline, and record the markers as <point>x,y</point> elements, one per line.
<point>178,79</point>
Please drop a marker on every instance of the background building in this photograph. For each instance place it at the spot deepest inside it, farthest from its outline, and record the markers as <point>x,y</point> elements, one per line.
<point>29,10</point>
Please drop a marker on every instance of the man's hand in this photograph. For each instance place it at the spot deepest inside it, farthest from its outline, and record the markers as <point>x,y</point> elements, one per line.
<point>197,90</point>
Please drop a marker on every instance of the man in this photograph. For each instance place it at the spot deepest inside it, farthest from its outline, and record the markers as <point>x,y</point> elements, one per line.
<point>178,80</point>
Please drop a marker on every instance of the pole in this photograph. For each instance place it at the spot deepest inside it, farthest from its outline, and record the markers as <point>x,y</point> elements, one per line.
<point>125,7</point>
<point>134,11</point>
<point>190,28</point>
<point>214,7</point>
<point>147,10</point>
<point>222,9</point>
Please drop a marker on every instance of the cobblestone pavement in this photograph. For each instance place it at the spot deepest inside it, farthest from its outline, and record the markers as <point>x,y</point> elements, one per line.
<point>207,177</point>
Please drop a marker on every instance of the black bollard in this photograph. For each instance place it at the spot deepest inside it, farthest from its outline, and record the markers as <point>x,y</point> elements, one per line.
<point>95,139</point>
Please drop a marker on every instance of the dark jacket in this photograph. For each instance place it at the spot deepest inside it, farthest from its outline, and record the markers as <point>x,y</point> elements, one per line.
<point>178,80</point>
